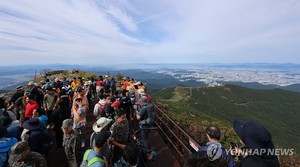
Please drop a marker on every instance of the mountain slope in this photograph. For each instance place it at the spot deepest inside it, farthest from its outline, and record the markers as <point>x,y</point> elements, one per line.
<point>276,109</point>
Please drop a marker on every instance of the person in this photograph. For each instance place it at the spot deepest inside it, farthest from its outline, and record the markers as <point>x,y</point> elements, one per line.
<point>37,136</point>
<point>146,117</point>
<point>213,135</point>
<point>71,143</point>
<point>135,155</point>
<point>21,155</point>
<point>126,104</point>
<point>258,140</point>
<point>94,157</point>
<point>39,113</point>
<point>5,145</point>
<point>30,106</point>
<point>16,101</point>
<point>120,134</point>
<point>100,106</point>
<point>57,118</point>
<point>79,121</point>
<point>49,102</point>
<point>102,124</point>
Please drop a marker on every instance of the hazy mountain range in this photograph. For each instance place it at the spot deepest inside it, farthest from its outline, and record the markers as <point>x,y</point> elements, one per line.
<point>158,76</point>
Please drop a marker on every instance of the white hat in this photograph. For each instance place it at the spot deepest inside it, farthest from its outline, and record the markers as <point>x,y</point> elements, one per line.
<point>101,123</point>
<point>30,83</point>
<point>141,92</point>
<point>137,83</point>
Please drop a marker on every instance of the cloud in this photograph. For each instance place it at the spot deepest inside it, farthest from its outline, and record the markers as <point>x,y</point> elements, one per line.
<point>158,31</point>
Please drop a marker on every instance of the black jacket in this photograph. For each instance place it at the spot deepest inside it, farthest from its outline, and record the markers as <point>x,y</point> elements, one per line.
<point>258,161</point>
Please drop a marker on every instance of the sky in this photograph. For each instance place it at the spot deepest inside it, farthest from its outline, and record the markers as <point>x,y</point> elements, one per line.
<point>107,32</point>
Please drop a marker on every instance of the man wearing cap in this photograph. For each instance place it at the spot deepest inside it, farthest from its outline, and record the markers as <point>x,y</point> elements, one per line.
<point>71,143</point>
<point>145,120</point>
<point>36,92</point>
<point>94,157</point>
<point>22,156</point>
<point>258,140</point>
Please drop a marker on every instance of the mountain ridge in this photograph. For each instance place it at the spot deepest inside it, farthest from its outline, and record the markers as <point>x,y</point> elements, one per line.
<point>276,109</point>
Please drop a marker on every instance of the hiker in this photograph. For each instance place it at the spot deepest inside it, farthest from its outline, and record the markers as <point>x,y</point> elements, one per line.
<point>39,113</point>
<point>135,155</point>
<point>30,106</point>
<point>94,157</point>
<point>57,117</point>
<point>101,125</point>
<point>16,101</point>
<point>79,121</point>
<point>146,116</point>
<point>126,104</point>
<point>71,143</point>
<point>213,135</point>
<point>5,145</point>
<point>259,140</point>
<point>99,109</point>
<point>21,155</point>
<point>50,102</point>
<point>109,110</point>
<point>120,133</point>
<point>37,136</point>
<point>37,92</point>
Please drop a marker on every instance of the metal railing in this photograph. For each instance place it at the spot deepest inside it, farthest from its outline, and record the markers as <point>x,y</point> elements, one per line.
<point>179,141</point>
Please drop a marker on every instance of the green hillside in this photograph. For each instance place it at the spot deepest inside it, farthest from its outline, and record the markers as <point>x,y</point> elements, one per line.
<point>278,110</point>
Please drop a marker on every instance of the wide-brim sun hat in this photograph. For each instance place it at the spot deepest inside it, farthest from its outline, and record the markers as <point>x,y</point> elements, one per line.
<point>253,135</point>
<point>101,123</point>
<point>33,124</point>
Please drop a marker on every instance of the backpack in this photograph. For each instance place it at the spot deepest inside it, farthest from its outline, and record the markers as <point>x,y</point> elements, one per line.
<point>40,141</point>
<point>151,113</point>
<point>86,163</point>
<point>101,112</point>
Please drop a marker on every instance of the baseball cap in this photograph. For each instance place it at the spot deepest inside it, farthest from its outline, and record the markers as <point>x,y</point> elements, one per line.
<point>101,138</point>
<point>67,123</point>
<point>17,150</point>
<point>116,104</point>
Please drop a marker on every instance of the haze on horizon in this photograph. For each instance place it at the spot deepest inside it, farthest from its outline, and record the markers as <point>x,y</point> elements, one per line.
<point>157,31</point>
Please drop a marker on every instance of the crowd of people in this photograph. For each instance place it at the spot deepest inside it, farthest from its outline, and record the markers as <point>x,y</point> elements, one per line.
<point>53,115</point>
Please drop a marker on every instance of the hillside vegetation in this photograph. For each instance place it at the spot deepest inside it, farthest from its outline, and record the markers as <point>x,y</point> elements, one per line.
<point>277,110</point>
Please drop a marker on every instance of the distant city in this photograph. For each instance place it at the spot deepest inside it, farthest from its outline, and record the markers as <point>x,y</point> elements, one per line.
<point>265,76</point>
<point>268,76</point>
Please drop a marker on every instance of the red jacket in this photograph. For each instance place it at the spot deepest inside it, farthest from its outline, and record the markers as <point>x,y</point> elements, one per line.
<point>29,109</point>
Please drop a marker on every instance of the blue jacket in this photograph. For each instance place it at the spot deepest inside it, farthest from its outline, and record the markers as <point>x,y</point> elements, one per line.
<point>5,145</point>
<point>224,155</point>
